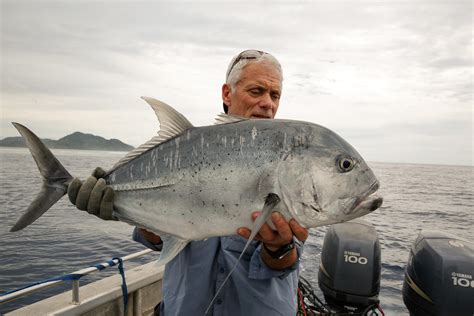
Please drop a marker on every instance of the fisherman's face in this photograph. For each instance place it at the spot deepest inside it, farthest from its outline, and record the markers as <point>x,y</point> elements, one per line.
<point>256,94</point>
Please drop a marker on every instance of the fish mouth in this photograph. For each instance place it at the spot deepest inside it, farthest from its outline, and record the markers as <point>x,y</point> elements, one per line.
<point>368,202</point>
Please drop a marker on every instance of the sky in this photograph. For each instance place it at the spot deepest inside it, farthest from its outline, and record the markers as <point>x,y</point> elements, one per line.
<point>394,78</point>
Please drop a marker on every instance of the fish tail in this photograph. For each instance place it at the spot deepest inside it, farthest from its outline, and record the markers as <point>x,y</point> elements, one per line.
<point>55,179</point>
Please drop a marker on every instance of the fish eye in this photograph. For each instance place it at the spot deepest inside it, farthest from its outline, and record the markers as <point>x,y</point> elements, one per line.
<point>346,164</point>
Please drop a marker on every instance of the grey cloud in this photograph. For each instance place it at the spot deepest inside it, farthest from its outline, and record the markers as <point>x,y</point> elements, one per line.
<point>112,27</point>
<point>94,54</point>
<point>440,127</point>
<point>308,82</point>
<point>450,63</point>
<point>50,47</point>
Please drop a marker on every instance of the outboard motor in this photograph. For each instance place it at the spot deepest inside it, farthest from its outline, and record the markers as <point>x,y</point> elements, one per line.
<point>349,272</point>
<point>439,276</point>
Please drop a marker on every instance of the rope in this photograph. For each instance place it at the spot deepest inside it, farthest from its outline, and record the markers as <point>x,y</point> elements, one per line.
<point>124,284</point>
<point>380,309</point>
<point>310,304</point>
<point>303,307</point>
<point>111,263</point>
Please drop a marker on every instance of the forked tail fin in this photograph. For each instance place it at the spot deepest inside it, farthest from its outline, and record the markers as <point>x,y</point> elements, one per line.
<point>55,179</point>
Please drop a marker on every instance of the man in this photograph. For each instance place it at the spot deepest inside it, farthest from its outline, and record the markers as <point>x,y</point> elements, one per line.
<point>266,279</point>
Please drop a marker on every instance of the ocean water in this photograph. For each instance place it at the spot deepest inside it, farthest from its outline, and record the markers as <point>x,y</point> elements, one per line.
<point>63,240</point>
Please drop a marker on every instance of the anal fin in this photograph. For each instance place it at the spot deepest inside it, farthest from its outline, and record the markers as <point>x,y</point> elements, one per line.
<point>172,245</point>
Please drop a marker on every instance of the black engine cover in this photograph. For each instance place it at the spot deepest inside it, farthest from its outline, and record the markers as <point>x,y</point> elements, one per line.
<point>349,272</point>
<point>439,276</point>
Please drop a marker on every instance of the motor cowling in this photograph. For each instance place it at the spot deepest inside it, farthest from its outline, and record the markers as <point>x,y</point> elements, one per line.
<point>439,275</point>
<point>349,271</point>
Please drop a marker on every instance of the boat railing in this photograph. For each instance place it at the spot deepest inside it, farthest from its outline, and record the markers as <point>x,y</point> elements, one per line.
<point>75,282</point>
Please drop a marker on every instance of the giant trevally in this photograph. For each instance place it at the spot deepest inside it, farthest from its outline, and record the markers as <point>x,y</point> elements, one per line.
<point>192,183</point>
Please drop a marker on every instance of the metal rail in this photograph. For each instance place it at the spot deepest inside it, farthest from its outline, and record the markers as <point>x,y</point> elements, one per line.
<point>75,283</point>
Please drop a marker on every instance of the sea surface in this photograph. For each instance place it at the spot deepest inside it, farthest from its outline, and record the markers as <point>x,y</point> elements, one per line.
<point>63,240</point>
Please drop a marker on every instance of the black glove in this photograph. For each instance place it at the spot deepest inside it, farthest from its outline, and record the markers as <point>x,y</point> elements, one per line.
<point>93,196</point>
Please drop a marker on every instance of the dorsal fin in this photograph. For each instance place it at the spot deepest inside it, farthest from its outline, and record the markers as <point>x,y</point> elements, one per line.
<point>226,119</point>
<point>172,123</point>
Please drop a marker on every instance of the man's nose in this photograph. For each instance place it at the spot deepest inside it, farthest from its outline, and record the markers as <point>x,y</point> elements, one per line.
<point>267,102</point>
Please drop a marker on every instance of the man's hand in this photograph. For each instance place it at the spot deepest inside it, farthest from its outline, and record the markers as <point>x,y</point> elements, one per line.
<point>93,196</point>
<point>275,239</point>
<point>151,237</point>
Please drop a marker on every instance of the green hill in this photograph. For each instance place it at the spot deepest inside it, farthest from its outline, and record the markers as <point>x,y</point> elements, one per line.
<point>75,140</point>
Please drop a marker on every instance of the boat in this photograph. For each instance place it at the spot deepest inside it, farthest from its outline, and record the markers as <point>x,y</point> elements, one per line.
<point>438,280</point>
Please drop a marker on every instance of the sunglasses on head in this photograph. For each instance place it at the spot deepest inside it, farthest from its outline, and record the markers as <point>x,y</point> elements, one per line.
<point>246,54</point>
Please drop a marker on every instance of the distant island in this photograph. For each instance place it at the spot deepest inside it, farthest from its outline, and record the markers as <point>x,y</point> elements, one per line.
<point>75,140</point>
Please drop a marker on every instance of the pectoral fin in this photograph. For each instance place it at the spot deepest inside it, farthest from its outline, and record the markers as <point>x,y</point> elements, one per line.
<point>271,201</point>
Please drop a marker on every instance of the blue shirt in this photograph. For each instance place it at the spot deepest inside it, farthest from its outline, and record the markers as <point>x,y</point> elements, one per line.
<point>193,276</point>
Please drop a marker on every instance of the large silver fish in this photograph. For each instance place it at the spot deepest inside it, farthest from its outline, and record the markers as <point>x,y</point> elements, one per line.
<point>191,183</point>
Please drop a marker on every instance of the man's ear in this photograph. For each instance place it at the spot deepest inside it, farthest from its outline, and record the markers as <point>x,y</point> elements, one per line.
<point>226,94</point>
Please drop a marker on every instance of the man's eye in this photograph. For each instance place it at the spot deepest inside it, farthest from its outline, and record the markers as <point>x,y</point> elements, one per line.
<point>276,96</point>
<point>255,91</point>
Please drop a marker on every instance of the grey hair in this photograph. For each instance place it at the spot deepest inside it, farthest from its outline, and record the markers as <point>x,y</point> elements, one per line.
<point>233,77</point>
<point>234,70</point>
